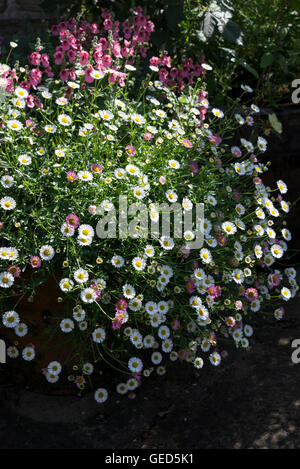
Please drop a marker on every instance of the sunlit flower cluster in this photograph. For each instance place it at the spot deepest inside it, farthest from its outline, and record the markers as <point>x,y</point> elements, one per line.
<point>78,133</point>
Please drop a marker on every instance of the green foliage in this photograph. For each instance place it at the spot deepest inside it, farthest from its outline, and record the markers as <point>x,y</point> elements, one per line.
<point>255,42</point>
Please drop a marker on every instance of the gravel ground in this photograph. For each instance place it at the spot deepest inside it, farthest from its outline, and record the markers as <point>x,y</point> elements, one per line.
<point>252,401</point>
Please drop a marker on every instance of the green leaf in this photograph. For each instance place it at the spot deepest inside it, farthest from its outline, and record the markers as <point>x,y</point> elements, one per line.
<point>248,67</point>
<point>275,123</point>
<point>226,4</point>
<point>209,23</point>
<point>232,33</point>
<point>266,60</point>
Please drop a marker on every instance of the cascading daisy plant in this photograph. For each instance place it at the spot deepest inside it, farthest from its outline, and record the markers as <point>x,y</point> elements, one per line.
<point>78,134</point>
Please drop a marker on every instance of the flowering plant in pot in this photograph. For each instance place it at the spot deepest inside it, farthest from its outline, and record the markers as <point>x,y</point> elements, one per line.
<point>91,164</point>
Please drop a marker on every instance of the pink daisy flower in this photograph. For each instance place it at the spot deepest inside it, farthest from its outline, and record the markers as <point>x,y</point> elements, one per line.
<point>14,270</point>
<point>187,143</point>
<point>215,139</point>
<point>190,286</point>
<point>251,294</point>
<point>130,150</point>
<point>230,321</point>
<point>117,321</point>
<point>121,305</point>
<point>96,168</point>
<point>71,176</point>
<point>194,167</point>
<point>72,220</point>
<point>175,324</point>
<point>35,262</point>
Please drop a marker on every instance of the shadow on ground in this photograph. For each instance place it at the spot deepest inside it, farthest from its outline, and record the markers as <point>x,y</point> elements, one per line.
<point>253,401</point>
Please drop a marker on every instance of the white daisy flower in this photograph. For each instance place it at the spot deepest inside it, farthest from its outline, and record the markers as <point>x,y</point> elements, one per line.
<point>198,363</point>
<point>135,364</point>
<point>79,314</point>
<point>21,329</point>
<point>215,358</point>
<point>286,293</point>
<point>106,115</point>
<point>12,352</point>
<point>262,143</point>
<point>132,170</point>
<point>229,227</point>
<point>205,255</point>
<point>282,186</point>
<point>117,261</point>
<point>51,129</point>
<point>20,103</point>
<point>156,358</point>
<point>238,276</point>
<point>54,368</point>
<point>248,330</point>
<point>67,230</point>
<point>64,119</point>
<point>6,280</point>
<point>7,181</point>
<point>101,395</point>
<point>87,368</point>
<point>174,164</point>
<point>99,335</point>
<point>149,251</point>
<point>138,119</point>
<point>276,250</point>
<point>47,252</point>
<point>247,88</point>
<point>206,66</point>
<point>239,119</point>
<point>86,230</point>
<point>67,325</point>
<point>171,196</point>
<point>119,173</point>
<point>61,101</point>
<point>217,112</point>
<point>139,263</point>
<point>148,341</point>
<point>7,203</point>
<point>101,283</point>
<point>28,353</point>
<point>81,275</point>
<point>85,176</point>
<point>167,243</point>
<point>66,285</point>
<point>88,295</point>
<point>21,92</point>
<point>51,378</point>
<point>163,332</point>
<point>10,319</point>
<point>187,204</point>
<point>167,345</point>
<point>129,291</point>
<point>24,160</point>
